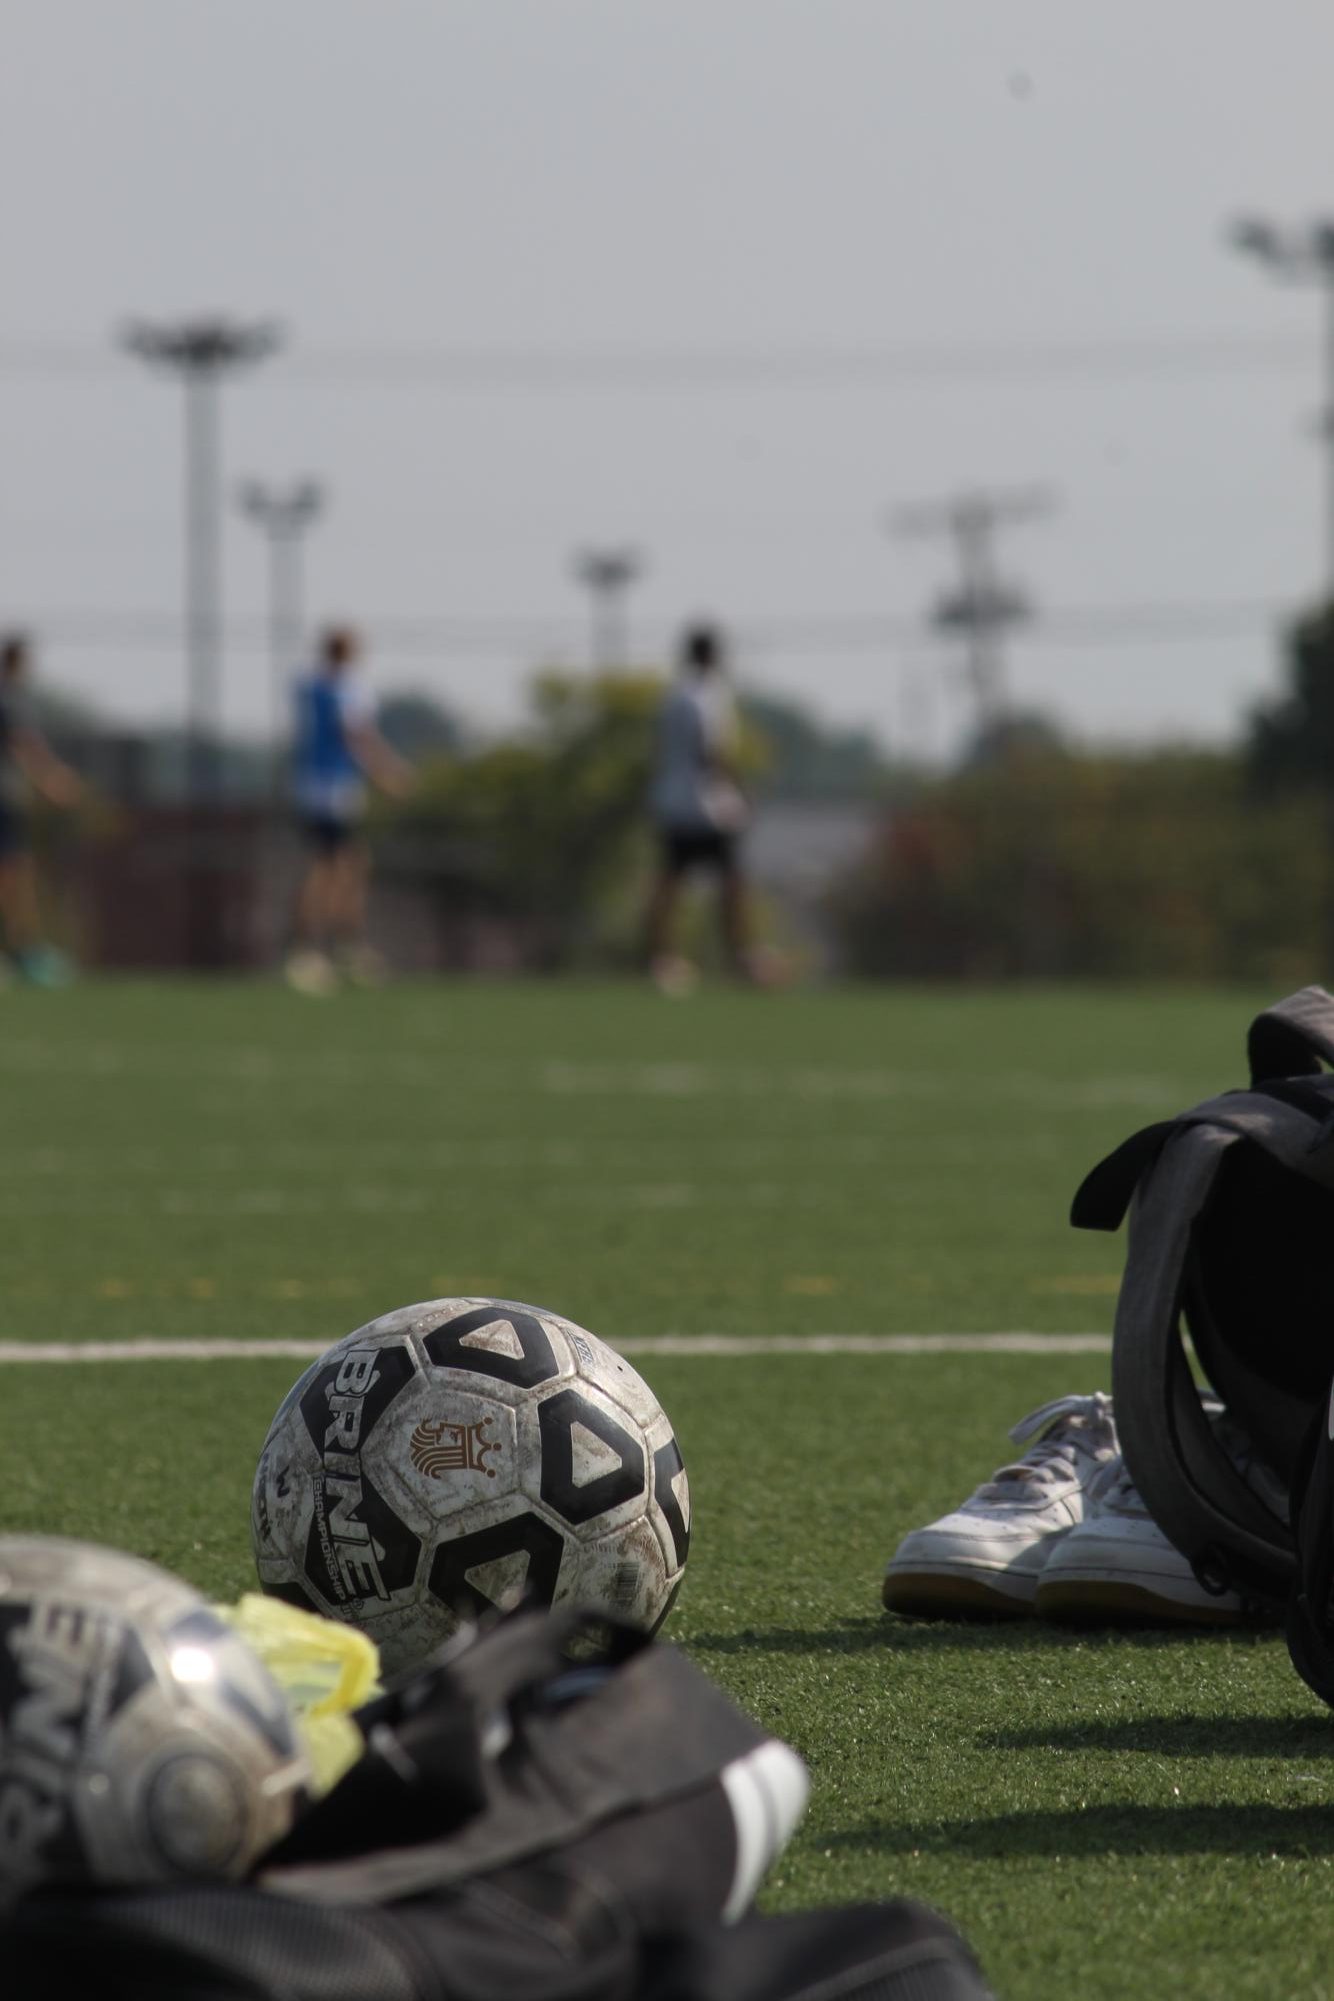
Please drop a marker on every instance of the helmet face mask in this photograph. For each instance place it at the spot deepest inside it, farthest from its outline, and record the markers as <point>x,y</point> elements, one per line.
<point>140,1740</point>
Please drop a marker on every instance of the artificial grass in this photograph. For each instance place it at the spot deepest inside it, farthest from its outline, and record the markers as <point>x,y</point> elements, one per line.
<point>234,1159</point>
<point>1108,1813</point>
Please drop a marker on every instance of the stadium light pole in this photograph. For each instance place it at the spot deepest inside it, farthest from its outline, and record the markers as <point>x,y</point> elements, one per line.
<point>200,352</point>
<point>607,575</point>
<point>283,517</point>
<point>1303,255</point>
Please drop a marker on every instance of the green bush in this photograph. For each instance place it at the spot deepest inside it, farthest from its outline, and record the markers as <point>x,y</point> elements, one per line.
<point>544,828</point>
<point>1164,865</point>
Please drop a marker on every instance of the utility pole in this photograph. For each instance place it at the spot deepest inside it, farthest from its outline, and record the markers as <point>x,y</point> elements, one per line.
<point>201,352</point>
<point>283,518</point>
<point>607,575</point>
<point>981,607</point>
<point>1303,255</point>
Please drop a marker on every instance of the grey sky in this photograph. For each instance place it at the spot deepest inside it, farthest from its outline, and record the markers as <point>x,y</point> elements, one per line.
<point>694,174</point>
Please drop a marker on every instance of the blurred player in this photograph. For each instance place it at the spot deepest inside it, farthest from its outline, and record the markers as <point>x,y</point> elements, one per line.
<point>27,765</point>
<point>699,809</point>
<point>338,753</point>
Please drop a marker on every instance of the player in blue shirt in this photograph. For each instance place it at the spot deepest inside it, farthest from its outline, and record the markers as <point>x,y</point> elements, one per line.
<point>338,753</point>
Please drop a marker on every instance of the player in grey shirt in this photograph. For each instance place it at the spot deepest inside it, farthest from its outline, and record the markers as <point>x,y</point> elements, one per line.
<point>698,808</point>
<point>27,765</point>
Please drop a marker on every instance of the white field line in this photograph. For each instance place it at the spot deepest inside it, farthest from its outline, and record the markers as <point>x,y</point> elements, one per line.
<point>209,1065</point>
<point>652,1344</point>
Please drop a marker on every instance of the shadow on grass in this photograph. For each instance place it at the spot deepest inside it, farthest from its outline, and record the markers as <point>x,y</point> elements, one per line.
<point>889,1634</point>
<point>854,1636</point>
<point>1243,1831</point>
<point>1179,1736</point>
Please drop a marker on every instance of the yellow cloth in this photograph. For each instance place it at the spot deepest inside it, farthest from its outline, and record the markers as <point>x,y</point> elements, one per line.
<point>325,1670</point>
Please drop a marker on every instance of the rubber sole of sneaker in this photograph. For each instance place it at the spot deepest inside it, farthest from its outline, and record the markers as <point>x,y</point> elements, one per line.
<point>1106,1602</point>
<point>937,1595</point>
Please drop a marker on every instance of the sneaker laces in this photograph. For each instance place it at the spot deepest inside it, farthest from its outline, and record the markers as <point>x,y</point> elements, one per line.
<point>1070,1427</point>
<point>1112,1491</point>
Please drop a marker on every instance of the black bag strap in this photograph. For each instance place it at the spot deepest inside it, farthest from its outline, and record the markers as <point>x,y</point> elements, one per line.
<point>1289,1041</point>
<point>1103,1196</point>
<point>1294,1037</point>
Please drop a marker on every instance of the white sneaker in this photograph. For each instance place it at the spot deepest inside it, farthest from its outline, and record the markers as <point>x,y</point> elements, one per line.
<point>311,972</point>
<point>674,976</point>
<point>988,1555</point>
<point>1118,1568</point>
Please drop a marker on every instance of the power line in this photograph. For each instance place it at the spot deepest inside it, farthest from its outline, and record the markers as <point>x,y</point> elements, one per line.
<point>794,365</point>
<point>817,365</point>
<point>1068,625</point>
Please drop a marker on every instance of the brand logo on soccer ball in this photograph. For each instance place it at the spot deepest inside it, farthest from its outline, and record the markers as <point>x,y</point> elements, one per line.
<point>352,1554</point>
<point>440,1448</point>
<point>54,1653</point>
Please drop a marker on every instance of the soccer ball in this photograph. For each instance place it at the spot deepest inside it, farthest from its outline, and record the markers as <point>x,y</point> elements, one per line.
<point>449,1457</point>
<point>140,1740</point>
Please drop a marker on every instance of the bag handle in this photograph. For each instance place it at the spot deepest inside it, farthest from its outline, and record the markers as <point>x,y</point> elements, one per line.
<point>1294,1037</point>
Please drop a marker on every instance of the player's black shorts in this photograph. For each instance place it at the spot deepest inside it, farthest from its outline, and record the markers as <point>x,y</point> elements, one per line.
<point>13,831</point>
<point>685,849</point>
<point>327,833</point>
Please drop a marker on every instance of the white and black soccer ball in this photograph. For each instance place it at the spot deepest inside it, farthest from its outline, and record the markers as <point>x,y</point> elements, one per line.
<point>140,1740</point>
<point>452,1456</point>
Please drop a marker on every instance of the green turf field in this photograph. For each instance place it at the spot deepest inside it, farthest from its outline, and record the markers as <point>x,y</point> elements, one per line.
<point>1113,1814</point>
